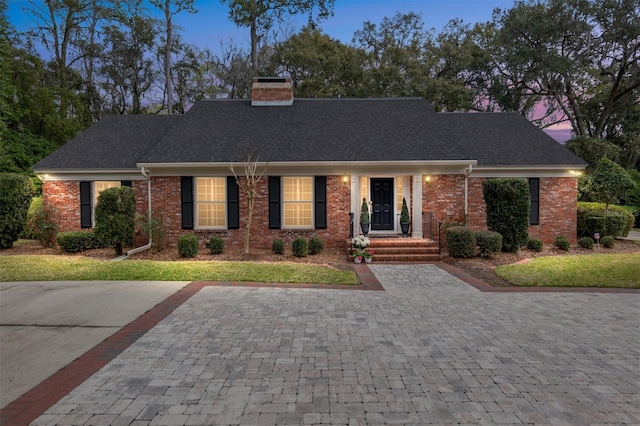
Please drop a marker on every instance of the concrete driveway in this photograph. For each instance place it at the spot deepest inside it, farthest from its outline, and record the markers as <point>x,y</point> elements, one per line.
<point>46,325</point>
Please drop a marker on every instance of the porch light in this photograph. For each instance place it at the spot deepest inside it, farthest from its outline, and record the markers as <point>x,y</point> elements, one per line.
<point>345,180</point>
<point>427,178</point>
<point>575,172</point>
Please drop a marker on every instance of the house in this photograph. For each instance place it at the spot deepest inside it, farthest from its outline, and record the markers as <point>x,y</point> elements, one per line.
<point>324,156</point>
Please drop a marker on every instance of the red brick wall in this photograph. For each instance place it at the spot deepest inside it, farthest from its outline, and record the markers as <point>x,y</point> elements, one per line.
<point>166,199</point>
<point>444,196</point>
<point>64,197</point>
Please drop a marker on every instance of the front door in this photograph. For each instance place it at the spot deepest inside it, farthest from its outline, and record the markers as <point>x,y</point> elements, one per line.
<point>382,208</point>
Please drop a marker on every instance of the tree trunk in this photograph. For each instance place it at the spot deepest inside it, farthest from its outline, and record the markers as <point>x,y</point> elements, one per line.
<point>247,230</point>
<point>167,58</point>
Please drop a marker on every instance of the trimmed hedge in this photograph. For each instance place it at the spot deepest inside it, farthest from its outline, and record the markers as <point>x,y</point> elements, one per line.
<point>461,241</point>
<point>507,206</point>
<point>188,245</point>
<point>216,245</point>
<point>586,242</point>
<point>489,242</point>
<point>300,247</point>
<point>15,198</point>
<point>608,241</point>
<point>562,243</point>
<point>277,246</point>
<point>316,245</point>
<point>77,241</point>
<point>534,244</point>
<point>593,217</point>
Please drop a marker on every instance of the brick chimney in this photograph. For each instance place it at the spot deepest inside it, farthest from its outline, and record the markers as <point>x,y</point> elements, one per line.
<point>271,91</point>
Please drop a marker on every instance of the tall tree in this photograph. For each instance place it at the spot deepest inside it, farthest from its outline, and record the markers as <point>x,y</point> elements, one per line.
<point>127,67</point>
<point>261,15</point>
<point>171,8</point>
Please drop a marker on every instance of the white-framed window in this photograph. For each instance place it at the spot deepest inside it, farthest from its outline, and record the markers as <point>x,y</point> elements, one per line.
<point>101,185</point>
<point>211,202</point>
<point>297,202</point>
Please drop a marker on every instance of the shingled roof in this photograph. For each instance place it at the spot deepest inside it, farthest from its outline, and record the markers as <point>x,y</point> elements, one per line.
<point>390,129</point>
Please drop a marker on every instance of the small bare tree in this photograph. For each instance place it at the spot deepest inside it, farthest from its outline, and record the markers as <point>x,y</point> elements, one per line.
<point>249,186</point>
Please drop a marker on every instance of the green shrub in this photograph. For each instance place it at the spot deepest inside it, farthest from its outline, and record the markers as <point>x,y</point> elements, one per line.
<point>608,241</point>
<point>586,242</point>
<point>507,206</point>
<point>316,245</point>
<point>534,244</point>
<point>153,228</point>
<point>77,241</point>
<point>404,212</point>
<point>41,223</point>
<point>489,242</point>
<point>216,245</point>
<point>300,247</point>
<point>365,217</point>
<point>562,243</point>
<point>593,217</point>
<point>16,192</point>
<point>188,245</point>
<point>277,246</point>
<point>115,216</point>
<point>461,241</point>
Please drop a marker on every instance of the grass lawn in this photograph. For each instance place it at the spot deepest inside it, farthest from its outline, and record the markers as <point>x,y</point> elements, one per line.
<point>59,268</point>
<point>592,270</point>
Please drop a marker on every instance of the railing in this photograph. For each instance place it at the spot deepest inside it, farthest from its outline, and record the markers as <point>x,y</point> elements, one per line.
<point>431,228</point>
<point>351,220</point>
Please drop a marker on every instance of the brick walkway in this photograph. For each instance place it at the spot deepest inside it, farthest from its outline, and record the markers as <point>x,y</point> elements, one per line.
<point>429,349</point>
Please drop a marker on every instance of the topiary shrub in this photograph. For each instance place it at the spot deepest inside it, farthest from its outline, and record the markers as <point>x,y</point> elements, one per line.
<point>608,241</point>
<point>16,192</point>
<point>115,217</point>
<point>534,244</point>
<point>77,241</point>
<point>507,206</point>
<point>316,245</point>
<point>562,243</point>
<point>300,247</point>
<point>489,242</point>
<point>586,242</point>
<point>216,245</point>
<point>277,246</point>
<point>594,217</point>
<point>188,245</point>
<point>461,241</point>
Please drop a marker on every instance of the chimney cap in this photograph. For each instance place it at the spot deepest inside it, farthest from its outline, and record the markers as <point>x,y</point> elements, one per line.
<point>271,80</point>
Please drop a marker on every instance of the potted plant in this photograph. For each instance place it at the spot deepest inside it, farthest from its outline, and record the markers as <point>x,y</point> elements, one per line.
<point>368,256</point>
<point>365,218</point>
<point>404,218</point>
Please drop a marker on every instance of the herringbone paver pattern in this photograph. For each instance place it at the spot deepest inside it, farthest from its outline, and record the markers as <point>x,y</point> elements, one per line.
<point>429,350</point>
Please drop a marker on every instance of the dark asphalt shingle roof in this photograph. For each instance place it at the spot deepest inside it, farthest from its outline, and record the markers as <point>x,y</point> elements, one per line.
<point>390,129</point>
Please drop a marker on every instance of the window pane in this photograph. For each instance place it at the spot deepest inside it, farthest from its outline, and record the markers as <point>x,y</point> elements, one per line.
<point>101,185</point>
<point>211,202</point>
<point>211,215</point>
<point>297,200</point>
<point>398,194</point>
<point>211,189</point>
<point>298,214</point>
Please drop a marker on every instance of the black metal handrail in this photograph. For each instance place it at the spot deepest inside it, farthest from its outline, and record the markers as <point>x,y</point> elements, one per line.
<point>431,228</point>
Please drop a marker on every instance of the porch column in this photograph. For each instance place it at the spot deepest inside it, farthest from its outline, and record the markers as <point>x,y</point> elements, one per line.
<point>416,207</point>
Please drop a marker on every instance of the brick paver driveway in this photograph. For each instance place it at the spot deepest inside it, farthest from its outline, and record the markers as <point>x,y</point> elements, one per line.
<point>429,349</point>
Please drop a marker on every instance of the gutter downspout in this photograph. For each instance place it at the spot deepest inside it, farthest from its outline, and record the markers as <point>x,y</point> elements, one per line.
<point>467,172</point>
<point>147,175</point>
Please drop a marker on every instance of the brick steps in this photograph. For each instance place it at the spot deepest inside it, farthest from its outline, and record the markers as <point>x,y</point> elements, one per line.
<point>400,250</point>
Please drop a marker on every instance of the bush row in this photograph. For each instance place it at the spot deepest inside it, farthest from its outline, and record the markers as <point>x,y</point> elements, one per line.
<point>463,242</point>
<point>77,241</point>
<point>188,246</point>
<point>594,218</point>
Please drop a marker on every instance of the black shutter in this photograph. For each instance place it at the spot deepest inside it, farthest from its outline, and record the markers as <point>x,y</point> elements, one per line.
<point>85,204</point>
<point>274,202</point>
<point>534,190</point>
<point>186,191</point>
<point>233,203</point>
<point>320,201</point>
<point>125,183</point>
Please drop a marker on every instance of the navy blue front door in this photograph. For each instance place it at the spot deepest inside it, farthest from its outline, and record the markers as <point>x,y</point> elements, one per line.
<point>382,208</point>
